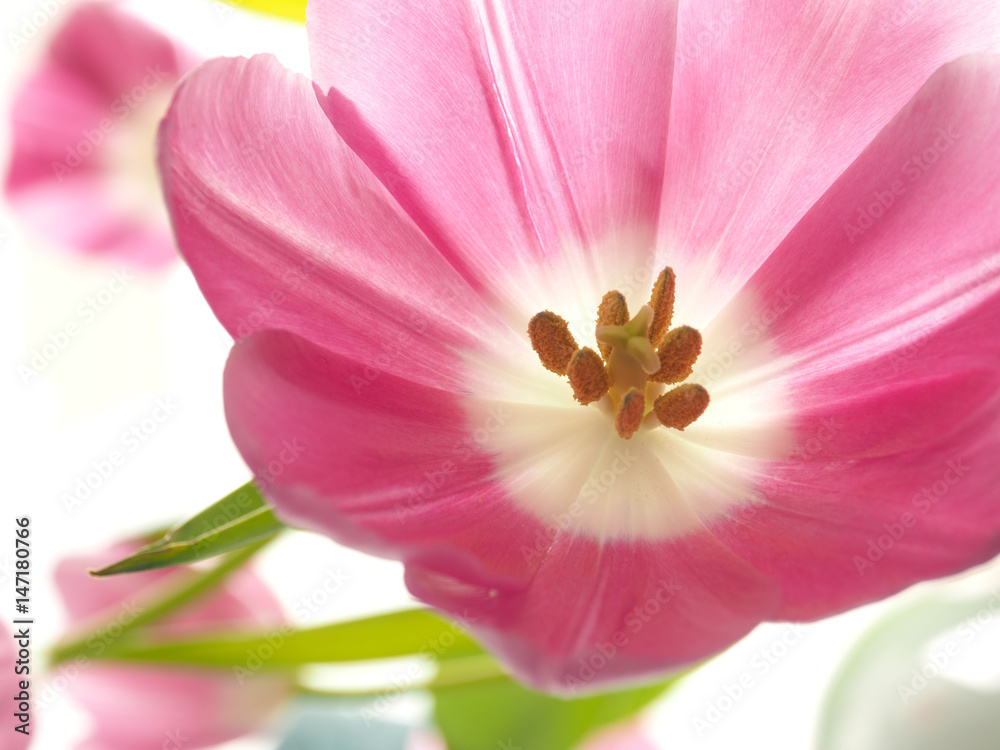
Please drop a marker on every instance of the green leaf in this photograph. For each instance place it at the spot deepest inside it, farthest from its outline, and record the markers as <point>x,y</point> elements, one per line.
<point>502,713</point>
<point>240,518</point>
<point>403,633</point>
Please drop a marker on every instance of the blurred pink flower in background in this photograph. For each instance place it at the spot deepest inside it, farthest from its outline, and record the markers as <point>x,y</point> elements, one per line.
<point>11,739</point>
<point>822,178</point>
<point>82,169</point>
<point>151,708</point>
<point>625,736</point>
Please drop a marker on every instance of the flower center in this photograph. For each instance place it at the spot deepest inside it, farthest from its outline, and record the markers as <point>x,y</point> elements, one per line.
<point>638,357</point>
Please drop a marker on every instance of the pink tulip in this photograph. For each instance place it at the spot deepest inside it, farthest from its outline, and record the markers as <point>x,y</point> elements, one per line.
<point>84,123</point>
<point>823,181</point>
<point>163,707</point>
<point>10,737</point>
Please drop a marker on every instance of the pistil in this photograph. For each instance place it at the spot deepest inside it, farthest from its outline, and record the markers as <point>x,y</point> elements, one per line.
<point>633,358</point>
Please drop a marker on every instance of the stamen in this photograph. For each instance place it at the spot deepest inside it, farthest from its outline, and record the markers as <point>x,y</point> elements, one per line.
<point>678,353</point>
<point>552,341</point>
<point>587,376</point>
<point>629,414</point>
<point>637,355</point>
<point>662,302</point>
<point>681,406</point>
<point>613,311</point>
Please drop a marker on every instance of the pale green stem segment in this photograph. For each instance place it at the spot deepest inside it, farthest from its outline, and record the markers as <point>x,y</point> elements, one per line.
<point>452,673</point>
<point>185,592</point>
<point>633,358</point>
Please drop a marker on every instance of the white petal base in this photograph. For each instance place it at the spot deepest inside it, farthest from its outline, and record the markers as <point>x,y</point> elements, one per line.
<point>565,463</point>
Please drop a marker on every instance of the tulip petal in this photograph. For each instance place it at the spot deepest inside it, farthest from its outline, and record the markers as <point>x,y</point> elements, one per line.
<point>146,709</point>
<point>402,473</point>
<point>771,104</point>
<point>839,534</point>
<point>871,501</point>
<point>598,614</point>
<point>149,708</point>
<point>285,228</point>
<point>80,172</point>
<point>889,350</point>
<point>510,132</point>
<point>108,48</point>
<point>886,341</point>
<point>396,470</point>
<point>625,736</point>
<point>864,292</point>
<point>244,601</point>
<point>838,528</point>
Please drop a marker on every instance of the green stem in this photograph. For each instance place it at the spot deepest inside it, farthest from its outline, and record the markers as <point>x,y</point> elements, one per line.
<point>175,598</point>
<point>457,672</point>
<point>452,673</point>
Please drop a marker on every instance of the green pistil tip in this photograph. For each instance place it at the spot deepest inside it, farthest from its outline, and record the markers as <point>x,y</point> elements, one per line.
<point>643,352</point>
<point>632,340</point>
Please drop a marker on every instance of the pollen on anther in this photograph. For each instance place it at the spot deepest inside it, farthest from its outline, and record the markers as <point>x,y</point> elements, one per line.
<point>552,341</point>
<point>587,375</point>
<point>681,406</point>
<point>662,302</point>
<point>678,353</point>
<point>613,311</point>
<point>629,415</point>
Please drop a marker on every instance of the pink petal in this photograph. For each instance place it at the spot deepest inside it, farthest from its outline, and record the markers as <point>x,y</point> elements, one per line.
<point>598,614</point>
<point>82,212</point>
<point>771,104</point>
<point>107,48</point>
<point>285,228</point>
<point>52,112</point>
<point>135,708</point>
<point>244,600</point>
<point>100,81</point>
<point>627,736</point>
<point>889,341</point>
<point>507,131</point>
<point>839,530</point>
<point>874,292</point>
<point>85,596</point>
<point>145,709</point>
<point>400,472</point>
<point>394,470</point>
<point>424,739</point>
